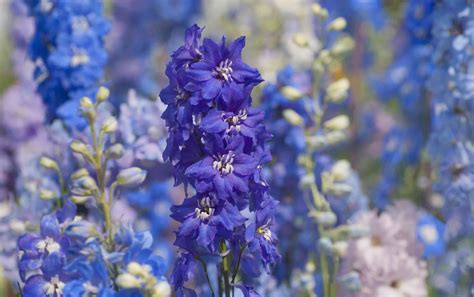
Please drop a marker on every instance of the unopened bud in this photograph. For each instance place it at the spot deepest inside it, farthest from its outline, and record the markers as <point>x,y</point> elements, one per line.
<point>79,173</point>
<point>131,177</point>
<point>134,268</point>
<point>324,218</point>
<point>49,163</point>
<point>293,117</point>
<point>110,125</point>
<point>77,199</point>
<point>340,248</point>
<point>79,147</point>
<point>291,93</point>
<point>325,245</point>
<point>128,281</point>
<point>319,11</point>
<point>115,152</point>
<point>340,122</point>
<point>86,103</point>
<point>343,45</point>
<point>300,40</point>
<point>48,195</point>
<point>102,94</point>
<point>163,288</point>
<point>337,24</point>
<point>341,170</point>
<point>338,90</point>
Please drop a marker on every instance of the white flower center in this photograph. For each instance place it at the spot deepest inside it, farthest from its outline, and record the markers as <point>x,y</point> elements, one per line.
<point>79,57</point>
<point>265,232</point>
<point>224,163</point>
<point>429,233</point>
<point>54,287</point>
<point>89,289</point>
<point>235,120</point>
<point>48,244</point>
<point>205,209</point>
<point>224,70</point>
<point>46,5</point>
<point>80,24</point>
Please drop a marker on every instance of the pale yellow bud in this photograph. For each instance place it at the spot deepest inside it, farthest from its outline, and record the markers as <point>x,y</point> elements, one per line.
<point>291,93</point>
<point>110,125</point>
<point>102,94</point>
<point>337,24</point>
<point>340,122</point>
<point>293,117</point>
<point>49,163</point>
<point>338,90</point>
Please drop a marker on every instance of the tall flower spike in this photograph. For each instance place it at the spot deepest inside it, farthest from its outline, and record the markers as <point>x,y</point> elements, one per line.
<point>216,144</point>
<point>68,49</point>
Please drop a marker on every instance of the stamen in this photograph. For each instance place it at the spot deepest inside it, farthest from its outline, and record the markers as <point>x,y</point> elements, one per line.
<point>224,70</point>
<point>54,287</point>
<point>205,209</point>
<point>224,163</point>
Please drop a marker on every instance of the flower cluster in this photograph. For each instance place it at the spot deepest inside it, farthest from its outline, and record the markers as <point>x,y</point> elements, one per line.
<point>68,49</point>
<point>216,144</point>
<point>404,83</point>
<point>450,144</point>
<point>79,253</point>
<point>387,261</point>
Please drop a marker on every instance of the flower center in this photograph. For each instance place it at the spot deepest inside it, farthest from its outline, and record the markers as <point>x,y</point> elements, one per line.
<point>224,163</point>
<point>224,70</point>
<point>181,95</point>
<point>54,287</point>
<point>236,120</point>
<point>429,234</point>
<point>79,57</point>
<point>265,232</point>
<point>205,209</point>
<point>48,244</point>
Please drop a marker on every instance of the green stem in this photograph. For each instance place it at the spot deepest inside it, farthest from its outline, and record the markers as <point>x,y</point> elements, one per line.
<point>324,268</point>
<point>100,168</point>
<point>204,267</point>
<point>225,268</point>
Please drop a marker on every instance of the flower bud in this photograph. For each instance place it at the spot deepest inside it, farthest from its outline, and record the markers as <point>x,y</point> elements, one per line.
<point>340,122</point>
<point>162,289</point>
<point>86,103</point>
<point>87,107</point>
<point>325,245</point>
<point>48,195</point>
<point>337,24</point>
<point>115,152</point>
<point>340,248</point>
<point>127,281</point>
<point>49,163</point>
<point>134,268</point>
<point>293,117</point>
<point>131,177</point>
<point>77,199</point>
<point>110,125</point>
<point>334,137</point>
<point>79,147</point>
<point>319,11</point>
<point>291,93</point>
<point>300,40</point>
<point>325,218</point>
<point>343,45</point>
<point>102,94</point>
<point>338,90</point>
<point>341,170</point>
<point>79,173</point>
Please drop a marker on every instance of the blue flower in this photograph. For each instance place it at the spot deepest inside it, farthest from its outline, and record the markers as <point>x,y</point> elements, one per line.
<point>430,231</point>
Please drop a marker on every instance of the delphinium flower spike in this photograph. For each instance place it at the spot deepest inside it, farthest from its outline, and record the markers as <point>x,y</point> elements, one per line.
<point>315,190</point>
<point>79,253</point>
<point>216,144</point>
<point>68,50</point>
<point>451,144</point>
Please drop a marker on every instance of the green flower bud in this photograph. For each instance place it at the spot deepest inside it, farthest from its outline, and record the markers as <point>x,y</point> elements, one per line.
<point>131,177</point>
<point>102,94</point>
<point>115,152</point>
<point>49,163</point>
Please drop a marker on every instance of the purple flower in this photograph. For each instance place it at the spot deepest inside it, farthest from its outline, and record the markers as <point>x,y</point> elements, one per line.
<point>223,172</point>
<point>221,69</point>
<point>204,216</point>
